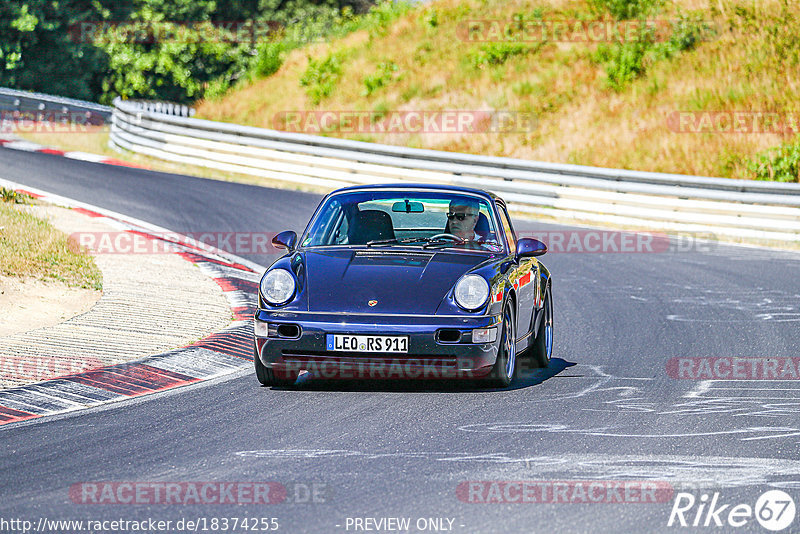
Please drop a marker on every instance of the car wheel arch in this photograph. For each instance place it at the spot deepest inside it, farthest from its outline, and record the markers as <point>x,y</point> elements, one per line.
<point>546,285</point>
<point>511,296</point>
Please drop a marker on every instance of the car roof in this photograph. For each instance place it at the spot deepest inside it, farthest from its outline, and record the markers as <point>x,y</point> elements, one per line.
<point>437,187</point>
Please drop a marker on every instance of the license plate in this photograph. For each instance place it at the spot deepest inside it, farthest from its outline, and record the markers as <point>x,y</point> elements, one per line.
<point>361,343</point>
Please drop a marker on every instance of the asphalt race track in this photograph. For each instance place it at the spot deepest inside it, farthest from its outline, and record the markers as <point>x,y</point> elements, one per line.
<point>606,410</point>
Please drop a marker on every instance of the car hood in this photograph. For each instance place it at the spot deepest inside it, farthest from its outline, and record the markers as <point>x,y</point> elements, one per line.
<point>413,282</point>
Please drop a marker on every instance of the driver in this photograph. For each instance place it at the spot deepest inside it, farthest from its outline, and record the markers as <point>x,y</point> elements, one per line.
<point>462,218</point>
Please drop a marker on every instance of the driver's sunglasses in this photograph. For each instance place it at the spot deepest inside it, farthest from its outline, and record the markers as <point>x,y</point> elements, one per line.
<point>460,216</point>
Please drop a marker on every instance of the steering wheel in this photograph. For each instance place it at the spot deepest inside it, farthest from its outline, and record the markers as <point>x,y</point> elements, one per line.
<point>449,236</point>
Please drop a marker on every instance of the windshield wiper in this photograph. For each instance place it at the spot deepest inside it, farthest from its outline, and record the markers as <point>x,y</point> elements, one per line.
<point>444,241</point>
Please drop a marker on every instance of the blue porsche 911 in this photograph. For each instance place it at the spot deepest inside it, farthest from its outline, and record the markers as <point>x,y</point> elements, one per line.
<point>404,282</point>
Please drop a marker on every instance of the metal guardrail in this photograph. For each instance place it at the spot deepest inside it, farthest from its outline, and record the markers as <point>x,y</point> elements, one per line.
<point>739,208</point>
<point>48,107</point>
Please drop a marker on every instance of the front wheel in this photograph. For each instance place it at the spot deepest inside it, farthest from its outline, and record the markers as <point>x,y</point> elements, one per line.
<point>505,367</point>
<point>543,345</point>
<point>265,375</point>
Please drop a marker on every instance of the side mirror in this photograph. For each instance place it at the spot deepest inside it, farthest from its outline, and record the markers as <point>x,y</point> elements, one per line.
<point>287,240</point>
<point>527,248</point>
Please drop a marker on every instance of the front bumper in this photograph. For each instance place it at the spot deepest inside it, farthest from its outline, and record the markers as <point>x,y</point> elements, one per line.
<point>433,350</point>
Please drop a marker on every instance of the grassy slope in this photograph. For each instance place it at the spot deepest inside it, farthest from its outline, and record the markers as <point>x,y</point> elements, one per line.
<point>31,247</point>
<point>752,64</point>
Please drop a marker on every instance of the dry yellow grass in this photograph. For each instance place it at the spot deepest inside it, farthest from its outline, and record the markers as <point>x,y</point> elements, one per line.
<point>31,247</point>
<point>752,64</point>
<point>93,142</point>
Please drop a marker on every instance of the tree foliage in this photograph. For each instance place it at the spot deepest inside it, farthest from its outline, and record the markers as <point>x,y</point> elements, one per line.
<point>38,53</point>
<point>188,45</point>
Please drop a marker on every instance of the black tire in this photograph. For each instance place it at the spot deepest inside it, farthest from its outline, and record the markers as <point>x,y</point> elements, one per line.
<point>542,346</point>
<point>265,375</point>
<point>500,375</point>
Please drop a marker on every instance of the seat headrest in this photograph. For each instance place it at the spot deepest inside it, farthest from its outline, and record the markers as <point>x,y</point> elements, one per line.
<point>370,225</point>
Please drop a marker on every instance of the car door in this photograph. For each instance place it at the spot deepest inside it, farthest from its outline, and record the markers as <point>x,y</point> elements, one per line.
<point>522,277</point>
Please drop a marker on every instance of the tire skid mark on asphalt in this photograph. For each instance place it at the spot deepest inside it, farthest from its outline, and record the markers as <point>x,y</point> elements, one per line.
<point>216,355</point>
<point>600,381</point>
<point>742,398</point>
<point>761,432</point>
<point>739,399</point>
<point>684,472</point>
<point>755,304</point>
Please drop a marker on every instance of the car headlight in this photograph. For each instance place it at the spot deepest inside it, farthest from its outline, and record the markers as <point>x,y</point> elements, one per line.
<point>471,292</point>
<point>277,286</point>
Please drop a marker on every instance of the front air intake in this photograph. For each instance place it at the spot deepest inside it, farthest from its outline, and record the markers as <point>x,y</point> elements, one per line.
<point>284,331</point>
<point>448,335</point>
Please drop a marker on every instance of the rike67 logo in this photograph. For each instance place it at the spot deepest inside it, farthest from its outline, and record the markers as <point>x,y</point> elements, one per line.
<point>774,510</point>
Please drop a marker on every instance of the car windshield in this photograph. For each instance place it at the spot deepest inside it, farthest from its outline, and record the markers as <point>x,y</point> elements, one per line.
<point>405,218</point>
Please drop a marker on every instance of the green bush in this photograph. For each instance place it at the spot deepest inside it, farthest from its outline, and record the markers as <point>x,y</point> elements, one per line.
<point>432,18</point>
<point>686,33</point>
<point>626,61</point>
<point>781,164</point>
<point>9,195</point>
<point>316,24</point>
<point>319,24</point>
<point>626,9</point>
<point>321,77</point>
<point>381,15</point>
<point>216,89</point>
<point>381,78</point>
<point>524,88</point>
<point>496,53</point>
<point>269,60</point>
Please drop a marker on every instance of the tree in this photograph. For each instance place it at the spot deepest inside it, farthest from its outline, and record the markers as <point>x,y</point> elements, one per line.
<point>94,49</point>
<point>40,52</point>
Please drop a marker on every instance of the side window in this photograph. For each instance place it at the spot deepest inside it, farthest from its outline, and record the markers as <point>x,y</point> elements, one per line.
<point>321,233</point>
<point>504,218</point>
